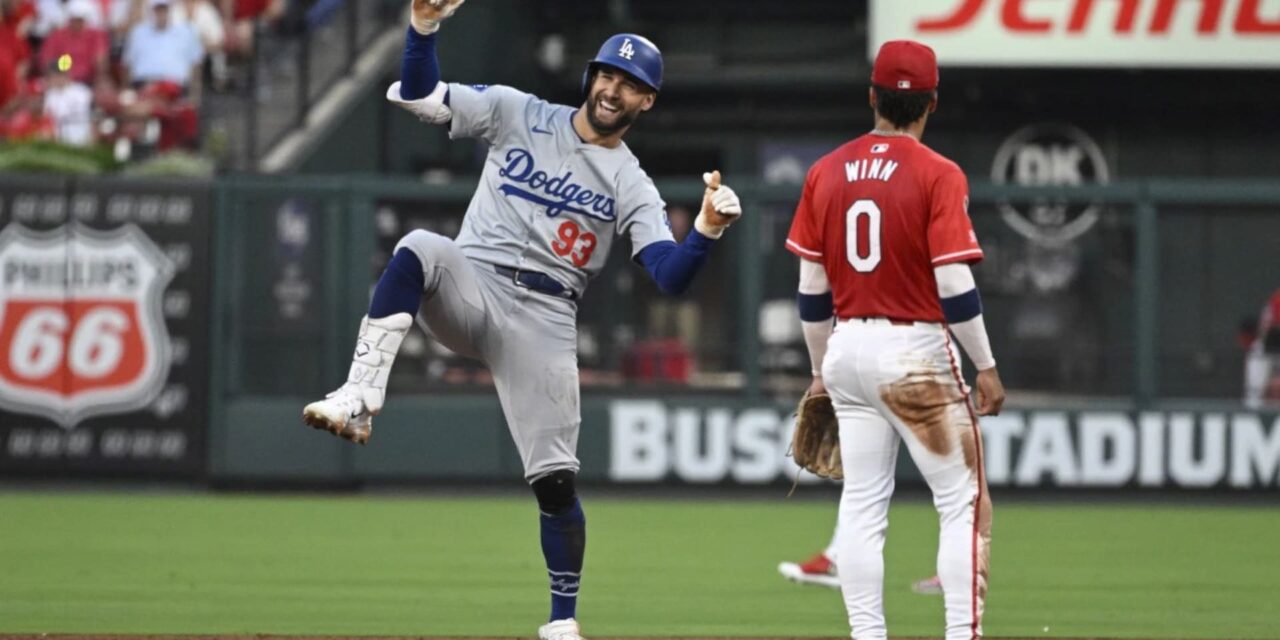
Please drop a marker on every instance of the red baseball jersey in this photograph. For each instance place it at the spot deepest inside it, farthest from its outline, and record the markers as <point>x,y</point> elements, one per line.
<point>1270,313</point>
<point>880,213</point>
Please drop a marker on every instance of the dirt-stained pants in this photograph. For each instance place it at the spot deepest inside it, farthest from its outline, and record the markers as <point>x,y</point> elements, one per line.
<point>892,382</point>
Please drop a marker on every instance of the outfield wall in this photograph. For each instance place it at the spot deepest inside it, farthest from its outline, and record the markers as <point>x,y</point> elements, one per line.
<point>716,441</point>
<point>174,330</point>
<point>652,441</point>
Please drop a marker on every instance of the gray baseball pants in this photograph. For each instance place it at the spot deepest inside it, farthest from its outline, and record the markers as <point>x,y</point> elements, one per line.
<point>527,338</point>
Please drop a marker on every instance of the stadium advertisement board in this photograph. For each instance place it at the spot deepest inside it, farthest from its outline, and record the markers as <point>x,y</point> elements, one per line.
<point>651,441</point>
<point>1086,33</point>
<point>103,327</point>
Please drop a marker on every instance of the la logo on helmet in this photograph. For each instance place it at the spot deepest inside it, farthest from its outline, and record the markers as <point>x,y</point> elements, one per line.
<point>627,51</point>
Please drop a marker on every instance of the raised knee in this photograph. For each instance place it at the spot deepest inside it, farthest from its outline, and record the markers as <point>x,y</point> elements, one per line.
<point>556,492</point>
<point>420,241</point>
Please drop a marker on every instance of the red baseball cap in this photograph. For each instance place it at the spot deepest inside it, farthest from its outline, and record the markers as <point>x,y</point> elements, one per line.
<point>905,65</point>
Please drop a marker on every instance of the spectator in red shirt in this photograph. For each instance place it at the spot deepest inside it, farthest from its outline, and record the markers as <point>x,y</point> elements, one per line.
<point>18,15</point>
<point>8,73</point>
<point>86,47</point>
<point>15,55</point>
<point>23,117</point>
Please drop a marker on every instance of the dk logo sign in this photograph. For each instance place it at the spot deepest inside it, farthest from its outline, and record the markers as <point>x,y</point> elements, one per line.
<point>1047,155</point>
<point>81,329</point>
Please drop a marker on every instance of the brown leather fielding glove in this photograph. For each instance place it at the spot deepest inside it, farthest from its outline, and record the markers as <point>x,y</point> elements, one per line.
<point>815,445</point>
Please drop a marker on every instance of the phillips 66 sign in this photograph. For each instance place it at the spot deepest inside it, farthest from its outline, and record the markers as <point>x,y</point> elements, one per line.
<point>1086,33</point>
<point>103,327</point>
<point>80,313</point>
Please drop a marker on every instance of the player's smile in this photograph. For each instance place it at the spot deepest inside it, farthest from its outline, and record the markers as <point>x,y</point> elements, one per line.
<point>611,113</point>
<point>606,107</point>
<point>608,116</point>
<point>616,101</point>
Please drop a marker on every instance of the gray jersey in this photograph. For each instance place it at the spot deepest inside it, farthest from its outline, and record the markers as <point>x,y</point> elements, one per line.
<point>547,201</point>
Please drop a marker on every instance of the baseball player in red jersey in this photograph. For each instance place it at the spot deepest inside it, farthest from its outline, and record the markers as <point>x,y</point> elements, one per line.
<point>885,242</point>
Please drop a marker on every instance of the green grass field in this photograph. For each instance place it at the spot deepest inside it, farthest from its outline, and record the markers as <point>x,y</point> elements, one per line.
<point>361,565</point>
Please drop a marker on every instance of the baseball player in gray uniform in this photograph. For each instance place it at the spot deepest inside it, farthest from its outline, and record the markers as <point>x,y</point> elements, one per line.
<point>558,187</point>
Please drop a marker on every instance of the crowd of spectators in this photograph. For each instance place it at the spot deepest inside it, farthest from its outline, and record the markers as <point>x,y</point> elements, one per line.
<point>119,72</point>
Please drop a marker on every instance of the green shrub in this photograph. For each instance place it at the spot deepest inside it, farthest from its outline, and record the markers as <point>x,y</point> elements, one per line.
<point>42,156</point>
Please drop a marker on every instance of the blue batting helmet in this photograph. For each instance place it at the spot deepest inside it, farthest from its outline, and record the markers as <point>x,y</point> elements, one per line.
<point>631,53</point>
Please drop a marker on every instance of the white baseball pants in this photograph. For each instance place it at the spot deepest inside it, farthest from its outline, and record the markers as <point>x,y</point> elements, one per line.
<point>892,382</point>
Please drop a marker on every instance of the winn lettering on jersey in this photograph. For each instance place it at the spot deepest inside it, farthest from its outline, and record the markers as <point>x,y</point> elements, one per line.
<point>870,169</point>
<point>557,194</point>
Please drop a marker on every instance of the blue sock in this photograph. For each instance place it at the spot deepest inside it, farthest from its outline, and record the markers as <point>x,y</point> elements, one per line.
<point>400,288</point>
<point>564,541</point>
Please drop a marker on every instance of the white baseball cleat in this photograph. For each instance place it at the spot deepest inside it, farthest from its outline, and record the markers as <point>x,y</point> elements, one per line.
<point>341,413</point>
<point>348,412</point>
<point>818,570</point>
<point>566,629</point>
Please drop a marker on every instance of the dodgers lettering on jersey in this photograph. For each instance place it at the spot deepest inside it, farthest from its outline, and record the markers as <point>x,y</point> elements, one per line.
<point>880,213</point>
<point>549,201</point>
<point>557,194</point>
